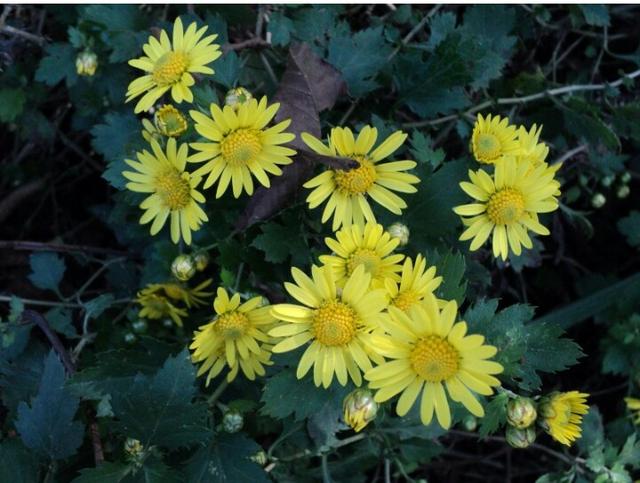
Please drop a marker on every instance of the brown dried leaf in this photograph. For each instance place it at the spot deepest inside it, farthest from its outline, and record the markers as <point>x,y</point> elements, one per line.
<point>308,86</point>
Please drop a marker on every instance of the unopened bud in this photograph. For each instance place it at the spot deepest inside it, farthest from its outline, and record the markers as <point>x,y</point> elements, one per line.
<point>607,180</point>
<point>470,423</point>
<point>86,63</point>
<point>598,200</point>
<point>129,338</point>
<point>168,323</point>
<point>359,409</point>
<point>625,177</point>
<point>202,260</point>
<point>232,421</point>
<point>260,457</point>
<point>623,191</point>
<point>521,412</point>
<point>169,121</point>
<point>134,451</point>
<point>183,267</point>
<point>139,326</point>
<point>236,97</point>
<point>401,232</point>
<point>520,438</point>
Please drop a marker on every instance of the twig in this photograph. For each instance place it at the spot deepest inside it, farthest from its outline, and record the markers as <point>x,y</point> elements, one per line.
<point>218,392</point>
<point>47,303</point>
<point>570,154</point>
<point>76,149</point>
<point>246,44</point>
<point>11,202</point>
<point>31,316</point>
<point>414,31</point>
<point>387,470</point>
<point>57,247</point>
<point>523,100</point>
<point>8,29</point>
<point>98,452</point>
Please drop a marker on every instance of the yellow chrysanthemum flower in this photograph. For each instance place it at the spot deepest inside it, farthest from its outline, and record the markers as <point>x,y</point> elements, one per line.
<point>172,190</point>
<point>431,351</point>
<point>531,149</point>
<point>167,121</point>
<point>507,205</point>
<point>492,138</point>
<point>158,306</point>
<point>240,146</point>
<point>192,297</point>
<point>347,190</point>
<point>633,405</point>
<point>415,283</point>
<point>236,337</point>
<point>371,247</point>
<point>169,65</point>
<point>562,413</point>
<point>337,323</point>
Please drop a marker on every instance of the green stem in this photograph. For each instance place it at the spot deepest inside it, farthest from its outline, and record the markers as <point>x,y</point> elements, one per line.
<point>326,476</point>
<point>217,393</point>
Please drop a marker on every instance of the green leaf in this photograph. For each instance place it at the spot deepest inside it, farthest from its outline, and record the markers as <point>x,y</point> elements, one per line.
<point>596,15</point>
<point>582,119</point>
<point>47,270</point>
<point>422,150</point>
<point>451,267</point>
<point>47,425</point>
<point>116,139</point>
<point>359,58</point>
<point>17,463</point>
<point>106,472</point>
<point>60,320</point>
<point>95,307</point>
<point>285,395</point>
<point>280,27</point>
<point>158,409</point>
<point>11,104</point>
<point>279,242</point>
<point>58,64</point>
<point>226,460</point>
<point>629,226</point>
<point>495,414</point>
<point>227,69</point>
<point>441,25</point>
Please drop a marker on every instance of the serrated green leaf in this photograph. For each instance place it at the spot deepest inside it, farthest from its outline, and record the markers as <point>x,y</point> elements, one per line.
<point>278,244</point>
<point>11,104</point>
<point>17,463</point>
<point>451,267</point>
<point>47,425</point>
<point>47,270</point>
<point>227,70</point>
<point>58,64</point>
<point>629,226</point>
<point>106,472</point>
<point>280,27</point>
<point>16,307</point>
<point>158,410</point>
<point>441,25</point>
<point>95,307</point>
<point>226,460</point>
<point>495,414</point>
<point>60,320</point>
<point>596,15</point>
<point>422,150</point>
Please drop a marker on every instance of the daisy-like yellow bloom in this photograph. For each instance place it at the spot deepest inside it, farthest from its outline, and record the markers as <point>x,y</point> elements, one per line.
<point>337,323</point>
<point>235,337</point>
<point>192,297</point>
<point>371,247</point>
<point>347,191</point>
<point>415,283</point>
<point>156,305</point>
<point>633,405</point>
<point>507,205</point>
<point>172,190</point>
<point>240,146</point>
<point>492,138</point>
<point>562,415</point>
<point>169,65</point>
<point>531,149</point>
<point>167,121</point>
<point>431,351</point>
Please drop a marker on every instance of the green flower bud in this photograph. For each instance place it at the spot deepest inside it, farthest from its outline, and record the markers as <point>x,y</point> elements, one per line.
<point>134,451</point>
<point>359,409</point>
<point>202,260</point>
<point>401,232</point>
<point>607,180</point>
<point>232,421</point>
<point>625,177</point>
<point>86,63</point>
<point>168,323</point>
<point>236,97</point>
<point>183,267</point>
<point>139,326</point>
<point>470,422</point>
<point>623,191</point>
<point>260,457</point>
<point>598,200</point>
<point>520,438</point>
<point>521,412</point>
<point>130,338</point>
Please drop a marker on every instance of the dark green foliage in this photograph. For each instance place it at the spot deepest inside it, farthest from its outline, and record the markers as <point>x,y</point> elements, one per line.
<point>47,270</point>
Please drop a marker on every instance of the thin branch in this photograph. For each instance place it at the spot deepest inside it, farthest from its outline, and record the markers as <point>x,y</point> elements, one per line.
<point>9,30</point>
<point>414,31</point>
<point>246,44</point>
<point>570,154</point>
<point>558,91</point>
<point>34,246</point>
<point>13,199</point>
<point>31,316</point>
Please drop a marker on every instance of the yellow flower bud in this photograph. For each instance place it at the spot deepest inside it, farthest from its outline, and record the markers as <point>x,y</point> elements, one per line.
<point>359,409</point>
<point>521,412</point>
<point>401,232</point>
<point>169,121</point>
<point>202,260</point>
<point>520,438</point>
<point>86,63</point>
<point>183,267</point>
<point>236,97</point>
<point>232,421</point>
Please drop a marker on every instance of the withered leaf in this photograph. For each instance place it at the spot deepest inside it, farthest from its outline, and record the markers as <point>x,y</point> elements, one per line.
<point>309,85</point>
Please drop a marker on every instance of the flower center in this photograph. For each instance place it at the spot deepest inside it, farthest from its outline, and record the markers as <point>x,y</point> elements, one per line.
<point>487,147</point>
<point>335,324</point>
<point>434,359</point>
<point>505,206</point>
<point>174,189</point>
<point>174,291</point>
<point>405,300</point>
<point>241,147</point>
<point>363,256</point>
<point>232,325</point>
<point>357,180</point>
<point>170,67</point>
<point>170,122</point>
